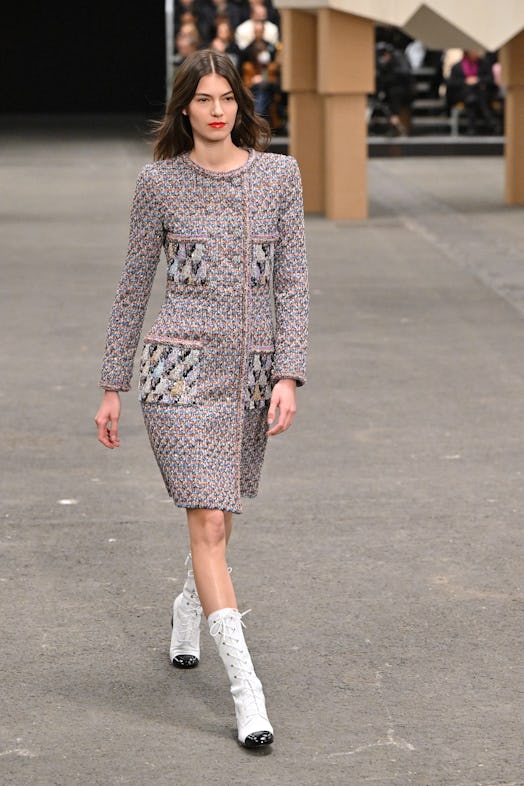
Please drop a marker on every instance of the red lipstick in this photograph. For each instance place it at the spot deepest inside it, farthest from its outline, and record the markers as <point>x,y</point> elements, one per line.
<point>218,124</point>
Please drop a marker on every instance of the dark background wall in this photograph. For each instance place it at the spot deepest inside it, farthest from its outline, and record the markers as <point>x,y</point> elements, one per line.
<point>84,57</point>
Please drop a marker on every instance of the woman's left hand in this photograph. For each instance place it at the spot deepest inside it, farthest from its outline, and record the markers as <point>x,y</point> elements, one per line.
<point>283,398</point>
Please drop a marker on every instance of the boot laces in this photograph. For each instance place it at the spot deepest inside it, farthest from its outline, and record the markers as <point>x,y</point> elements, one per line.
<point>187,621</point>
<point>191,598</point>
<point>226,627</point>
<point>253,704</point>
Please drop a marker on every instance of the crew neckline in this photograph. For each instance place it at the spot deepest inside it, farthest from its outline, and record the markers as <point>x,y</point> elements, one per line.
<point>215,173</point>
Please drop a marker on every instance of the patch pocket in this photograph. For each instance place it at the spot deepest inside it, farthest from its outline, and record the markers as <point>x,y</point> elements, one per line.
<point>258,388</point>
<point>169,371</point>
<point>262,257</point>
<point>186,262</point>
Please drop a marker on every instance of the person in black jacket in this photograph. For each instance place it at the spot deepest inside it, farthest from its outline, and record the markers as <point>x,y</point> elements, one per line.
<point>395,83</point>
<point>471,82</point>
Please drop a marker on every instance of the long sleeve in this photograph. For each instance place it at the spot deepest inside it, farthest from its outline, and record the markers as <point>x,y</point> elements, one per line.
<point>129,307</point>
<point>290,283</point>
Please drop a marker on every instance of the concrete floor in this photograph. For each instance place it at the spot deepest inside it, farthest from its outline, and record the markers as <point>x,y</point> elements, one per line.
<point>383,556</point>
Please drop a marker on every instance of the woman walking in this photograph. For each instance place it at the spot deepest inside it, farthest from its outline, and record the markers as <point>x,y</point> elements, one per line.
<point>223,358</point>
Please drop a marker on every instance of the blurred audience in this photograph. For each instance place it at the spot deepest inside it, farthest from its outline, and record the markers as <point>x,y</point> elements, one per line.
<point>248,31</point>
<point>471,83</point>
<point>259,71</point>
<point>245,33</point>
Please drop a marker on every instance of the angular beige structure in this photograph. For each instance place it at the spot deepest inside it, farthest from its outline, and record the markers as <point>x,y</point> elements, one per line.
<point>512,59</point>
<point>329,68</point>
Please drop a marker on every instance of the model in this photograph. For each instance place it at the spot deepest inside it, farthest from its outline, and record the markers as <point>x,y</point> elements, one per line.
<point>222,360</point>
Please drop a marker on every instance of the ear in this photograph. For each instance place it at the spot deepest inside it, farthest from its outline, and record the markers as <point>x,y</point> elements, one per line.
<point>184,112</point>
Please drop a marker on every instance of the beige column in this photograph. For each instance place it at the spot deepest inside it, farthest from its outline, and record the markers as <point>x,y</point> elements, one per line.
<point>345,76</point>
<point>512,60</point>
<point>306,123</point>
<point>346,158</point>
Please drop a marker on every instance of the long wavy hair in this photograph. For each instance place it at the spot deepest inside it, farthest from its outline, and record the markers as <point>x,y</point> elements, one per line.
<point>173,134</point>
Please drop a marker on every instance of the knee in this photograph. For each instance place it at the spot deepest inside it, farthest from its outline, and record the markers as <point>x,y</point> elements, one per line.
<point>207,528</point>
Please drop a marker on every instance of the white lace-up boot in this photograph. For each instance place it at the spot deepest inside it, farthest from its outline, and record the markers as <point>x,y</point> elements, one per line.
<point>254,728</point>
<point>184,649</point>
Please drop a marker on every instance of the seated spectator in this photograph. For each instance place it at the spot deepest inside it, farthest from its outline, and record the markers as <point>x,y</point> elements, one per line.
<point>240,10</point>
<point>187,12</point>
<point>187,41</point>
<point>395,85</point>
<point>245,33</point>
<point>259,73</point>
<point>182,7</point>
<point>254,51</point>
<point>471,83</point>
<point>224,41</point>
<point>273,15</point>
<point>210,12</point>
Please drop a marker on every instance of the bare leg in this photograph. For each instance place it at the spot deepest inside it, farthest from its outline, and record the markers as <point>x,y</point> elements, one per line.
<point>228,521</point>
<point>209,532</point>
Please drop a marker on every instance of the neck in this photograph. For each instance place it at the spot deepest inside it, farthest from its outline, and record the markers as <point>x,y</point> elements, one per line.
<point>220,156</point>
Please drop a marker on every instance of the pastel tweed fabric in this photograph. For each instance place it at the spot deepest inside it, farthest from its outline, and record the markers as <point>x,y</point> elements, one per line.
<point>234,319</point>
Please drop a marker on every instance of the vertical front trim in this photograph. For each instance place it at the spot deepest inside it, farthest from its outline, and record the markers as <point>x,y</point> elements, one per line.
<point>245,327</point>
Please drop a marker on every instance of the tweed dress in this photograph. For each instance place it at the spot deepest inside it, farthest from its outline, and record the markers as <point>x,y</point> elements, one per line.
<point>233,322</point>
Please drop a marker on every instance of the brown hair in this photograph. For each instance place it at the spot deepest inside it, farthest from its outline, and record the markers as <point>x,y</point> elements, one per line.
<point>173,134</point>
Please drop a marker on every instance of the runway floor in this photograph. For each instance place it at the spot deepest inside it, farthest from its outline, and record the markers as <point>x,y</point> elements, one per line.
<point>383,556</point>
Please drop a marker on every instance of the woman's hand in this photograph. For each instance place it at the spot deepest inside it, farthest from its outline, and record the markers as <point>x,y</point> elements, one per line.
<point>283,398</point>
<point>106,419</point>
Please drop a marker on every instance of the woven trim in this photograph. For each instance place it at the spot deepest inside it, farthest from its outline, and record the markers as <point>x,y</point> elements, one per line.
<point>153,338</point>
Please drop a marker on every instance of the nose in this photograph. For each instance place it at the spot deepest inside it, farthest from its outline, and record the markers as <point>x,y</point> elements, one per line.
<point>217,108</point>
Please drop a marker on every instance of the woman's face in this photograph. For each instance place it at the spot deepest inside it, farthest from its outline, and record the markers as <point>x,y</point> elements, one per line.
<point>213,109</point>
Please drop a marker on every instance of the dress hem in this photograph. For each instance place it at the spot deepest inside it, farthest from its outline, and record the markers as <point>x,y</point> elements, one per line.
<point>207,506</point>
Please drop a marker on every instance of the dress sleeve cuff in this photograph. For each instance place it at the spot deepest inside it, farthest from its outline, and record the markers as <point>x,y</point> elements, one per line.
<point>299,378</point>
<point>117,388</point>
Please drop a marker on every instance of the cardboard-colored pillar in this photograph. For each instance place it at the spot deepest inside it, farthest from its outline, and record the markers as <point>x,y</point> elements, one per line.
<point>346,158</point>
<point>512,60</point>
<point>346,74</point>
<point>305,110</point>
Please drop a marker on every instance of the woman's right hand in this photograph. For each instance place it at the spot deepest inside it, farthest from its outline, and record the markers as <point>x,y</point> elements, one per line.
<point>106,419</point>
